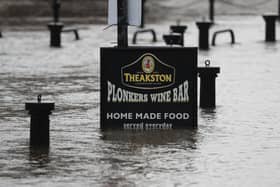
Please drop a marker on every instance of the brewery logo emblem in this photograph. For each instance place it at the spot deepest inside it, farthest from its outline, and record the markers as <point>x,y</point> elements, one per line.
<point>148,72</point>
<point>148,64</point>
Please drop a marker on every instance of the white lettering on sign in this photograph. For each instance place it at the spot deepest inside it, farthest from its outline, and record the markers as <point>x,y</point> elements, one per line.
<point>161,97</point>
<point>119,116</point>
<point>176,116</point>
<point>180,94</point>
<point>118,95</point>
<point>134,126</point>
<point>134,12</point>
<point>150,126</point>
<point>147,126</point>
<point>147,116</point>
<point>177,95</point>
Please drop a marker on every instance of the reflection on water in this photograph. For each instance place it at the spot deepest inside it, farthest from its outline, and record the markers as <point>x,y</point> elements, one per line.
<point>208,113</point>
<point>39,157</point>
<point>156,137</point>
<point>131,152</point>
<point>147,153</point>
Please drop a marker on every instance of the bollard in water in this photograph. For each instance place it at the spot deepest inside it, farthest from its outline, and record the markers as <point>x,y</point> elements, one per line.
<point>204,27</point>
<point>39,123</point>
<point>55,27</point>
<point>55,34</point>
<point>270,20</point>
<point>180,29</point>
<point>174,39</point>
<point>208,85</point>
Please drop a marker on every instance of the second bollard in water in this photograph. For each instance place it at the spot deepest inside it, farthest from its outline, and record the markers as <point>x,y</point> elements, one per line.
<point>270,20</point>
<point>56,26</point>
<point>55,34</point>
<point>179,29</point>
<point>208,85</point>
<point>39,123</point>
<point>204,34</point>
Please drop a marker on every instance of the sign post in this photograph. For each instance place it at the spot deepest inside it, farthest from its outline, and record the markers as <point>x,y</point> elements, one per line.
<point>123,13</point>
<point>148,88</point>
<point>143,14</point>
<point>122,23</point>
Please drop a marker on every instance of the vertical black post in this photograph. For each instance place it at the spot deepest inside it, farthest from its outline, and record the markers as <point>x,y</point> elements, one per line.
<point>204,34</point>
<point>270,35</point>
<point>212,10</point>
<point>143,14</point>
<point>39,123</point>
<point>55,34</point>
<point>208,85</point>
<point>122,24</point>
<point>278,9</point>
<point>56,9</point>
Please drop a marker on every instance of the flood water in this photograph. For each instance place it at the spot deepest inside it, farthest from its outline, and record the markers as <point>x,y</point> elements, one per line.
<point>237,144</point>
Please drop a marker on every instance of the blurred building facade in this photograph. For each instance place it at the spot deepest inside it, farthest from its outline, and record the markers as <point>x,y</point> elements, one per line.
<point>96,10</point>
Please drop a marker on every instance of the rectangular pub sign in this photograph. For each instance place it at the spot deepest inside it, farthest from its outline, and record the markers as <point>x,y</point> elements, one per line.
<point>148,88</point>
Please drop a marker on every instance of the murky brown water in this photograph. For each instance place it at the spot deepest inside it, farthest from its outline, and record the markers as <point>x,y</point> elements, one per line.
<point>235,145</point>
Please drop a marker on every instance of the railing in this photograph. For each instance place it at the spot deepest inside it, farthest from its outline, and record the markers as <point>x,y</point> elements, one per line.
<point>75,31</point>
<point>230,31</point>
<point>134,40</point>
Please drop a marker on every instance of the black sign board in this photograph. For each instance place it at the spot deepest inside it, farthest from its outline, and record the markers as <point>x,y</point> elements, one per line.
<point>148,88</point>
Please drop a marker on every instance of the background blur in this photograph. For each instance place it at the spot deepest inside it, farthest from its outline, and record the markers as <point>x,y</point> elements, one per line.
<point>94,11</point>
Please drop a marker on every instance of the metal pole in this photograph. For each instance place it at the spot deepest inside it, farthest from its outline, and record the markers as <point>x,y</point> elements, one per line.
<point>278,9</point>
<point>143,14</point>
<point>56,9</point>
<point>212,10</point>
<point>122,24</point>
